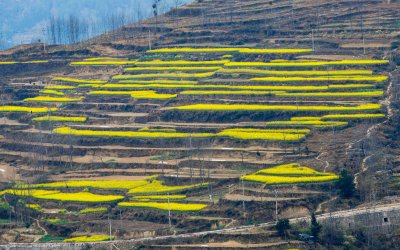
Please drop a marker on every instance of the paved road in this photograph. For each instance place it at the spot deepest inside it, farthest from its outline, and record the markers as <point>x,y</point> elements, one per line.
<point>338,214</point>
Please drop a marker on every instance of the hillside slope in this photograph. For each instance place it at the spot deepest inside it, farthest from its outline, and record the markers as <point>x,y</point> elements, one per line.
<point>156,143</point>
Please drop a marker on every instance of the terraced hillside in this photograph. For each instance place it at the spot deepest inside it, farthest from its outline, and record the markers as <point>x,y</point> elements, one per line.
<point>235,117</point>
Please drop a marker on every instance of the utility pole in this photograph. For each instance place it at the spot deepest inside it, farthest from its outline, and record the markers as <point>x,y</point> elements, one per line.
<point>109,223</point>
<point>169,213</point>
<point>313,41</point>
<point>244,207</point>
<point>149,40</point>
<point>276,205</point>
<point>44,39</point>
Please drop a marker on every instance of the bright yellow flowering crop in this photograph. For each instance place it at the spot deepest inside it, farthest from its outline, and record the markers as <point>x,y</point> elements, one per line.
<point>230,92</point>
<point>158,63</point>
<point>36,207</point>
<point>60,119</point>
<point>80,197</point>
<point>305,118</point>
<point>160,197</point>
<point>60,87</point>
<point>169,130</point>
<point>104,59</point>
<point>289,174</point>
<point>313,123</point>
<point>172,82</point>
<point>352,116</point>
<point>149,94</point>
<point>276,180</point>
<point>25,109</point>
<point>220,86</point>
<point>157,187</point>
<point>106,63</point>
<point>52,92</point>
<point>277,130</point>
<point>27,62</point>
<point>265,134</point>
<point>93,210</point>
<point>230,50</point>
<point>8,63</point>
<point>351,86</point>
<point>164,75</point>
<point>74,80</point>
<point>105,184</point>
<point>164,206</point>
<point>129,134</point>
<point>182,69</point>
<point>321,78</point>
<point>255,107</point>
<point>293,169</point>
<point>93,238</point>
<point>243,135</point>
<point>334,94</point>
<point>52,99</point>
<point>305,63</point>
<point>59,196</point>
<point>294,73</point>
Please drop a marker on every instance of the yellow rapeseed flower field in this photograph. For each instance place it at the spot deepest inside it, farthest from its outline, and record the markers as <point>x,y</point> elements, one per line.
<point>305,63</point>
<point>36,207</point>
<point>93,210</point>
<point>351,86</point>
<point>60,87</point>
<point>294,72</point>
<point>157,187</point>
<point>256,107</point>
<point>60,119</point>
<point>149,94</point>
<point>172,82</point>
<point>289,174</point>
<point>105,59</point>
<point>103,63</point>
<point>292,169</point>
<point>342,78</point>
<point>157,63</point>
<point>352,116</point>
<point>74,80</point>
<point>59,196</point>
<point>164,75</point>
<point>52,92</point>
<point>334,94</point>
<point>93,238</point>
<point>221,86</point>
<point>232,50</point>
<point>52,99</point>
<point>184,207</point>
<point>169,130</point>
<point>243,135</point>
<point>104,184</point>
<point>312,123</point>
<point>172,69</point>
<point>276,180</point>
<point>265,134</point>
<point>27,62</point>
<point>338,117</point>
<point>26,109</point>
<point>305,118</point>
<point>160,197</point>
<point>129,134</point>
<point>230,92</point>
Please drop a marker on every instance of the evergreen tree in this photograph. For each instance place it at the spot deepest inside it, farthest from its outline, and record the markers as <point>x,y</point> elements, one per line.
<point>346,184</point>
<point>282,226</point>
<point>315,226</point>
